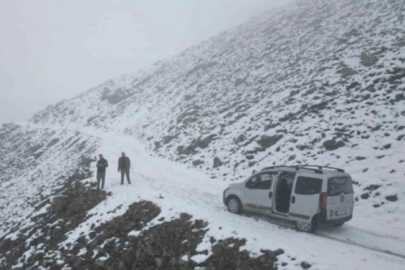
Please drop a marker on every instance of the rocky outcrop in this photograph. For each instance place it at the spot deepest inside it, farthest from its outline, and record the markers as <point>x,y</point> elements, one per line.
<point>169,245</point>
<point>196,143</point>
<point>268,141</point>
<point>368,60</point>
<point>112,245</point>
<point>331,145</point>
<point>217,163</point>
<point>67,211</point>
<point>347,72</point>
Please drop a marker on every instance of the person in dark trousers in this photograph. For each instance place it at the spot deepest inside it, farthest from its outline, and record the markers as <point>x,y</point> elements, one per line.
<point>102,164</point>
<point>123,166</point>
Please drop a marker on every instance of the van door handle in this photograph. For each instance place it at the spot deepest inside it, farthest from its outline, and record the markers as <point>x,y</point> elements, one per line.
<point>270,194</point>
<point>293,199</point>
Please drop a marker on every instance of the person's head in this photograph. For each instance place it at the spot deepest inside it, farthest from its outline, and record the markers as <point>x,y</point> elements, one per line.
<point>123,154</point>
<point>100,156</point>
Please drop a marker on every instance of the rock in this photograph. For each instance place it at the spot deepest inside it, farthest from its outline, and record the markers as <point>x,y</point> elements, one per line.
<point>180,149</point>
<point>372,187</point>
<point>303,147</point>
<point>387,146</point>
<point>159,262</point>
<point>240,139</point>
<point>38,256</point>
<point>198,162</point>
<point>217,250</point>
<point>353,85</point>
<point>305,265</point>
<point>206,141</point>
<point>101,261</point>
<point>199,143</point>
<point>157,145</point>
<point>57,233</point>
<point>217,162</point>
<point>400,137</point>
<point>346,72</point>
<point>331,145</point>
<point>401,43</point>
<point>168,139</point>
<point>59,204</point>
<point>392,198</point>
<point>252,163</point>
<point>318,107</point>
<point>368,60</point>
<point>121,266</point>
<point>365,196</point>
<point>268,141</point>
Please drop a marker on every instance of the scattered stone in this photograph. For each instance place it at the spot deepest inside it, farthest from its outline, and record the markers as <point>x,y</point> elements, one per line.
<point>387,146</point>
<point>59,204</point>
<point>305,265</point>
<point>400,137</point>
<point>217,163</point>
<point>197,162</point>
<point>346,72</point>
<point>240,138</point>
<point>365,196</point>
<point>331,145</point>
<point>268,141</point>
<point>372,187</point>
<point>368,60</point>
<point>392,198</point>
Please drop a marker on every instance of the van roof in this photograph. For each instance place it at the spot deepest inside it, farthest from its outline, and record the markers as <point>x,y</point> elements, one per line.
<point>330,171</point>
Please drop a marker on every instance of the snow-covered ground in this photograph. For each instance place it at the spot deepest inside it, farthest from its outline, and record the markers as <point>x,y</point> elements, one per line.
<point>364,243</point>
<point>317,82</point>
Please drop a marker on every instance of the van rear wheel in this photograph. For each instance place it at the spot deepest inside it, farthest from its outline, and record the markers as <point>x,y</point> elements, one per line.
<point>306,227</point>
<point>234,205</point>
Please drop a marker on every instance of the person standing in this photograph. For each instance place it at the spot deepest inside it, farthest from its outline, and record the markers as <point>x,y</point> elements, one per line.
<point>123,166</point>
<point>102,164</point>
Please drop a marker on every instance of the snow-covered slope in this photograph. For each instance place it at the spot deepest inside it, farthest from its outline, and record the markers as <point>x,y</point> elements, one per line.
<point>317,82</point>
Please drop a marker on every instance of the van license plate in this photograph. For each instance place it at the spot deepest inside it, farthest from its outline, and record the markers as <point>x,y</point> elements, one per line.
<point>341,213</point>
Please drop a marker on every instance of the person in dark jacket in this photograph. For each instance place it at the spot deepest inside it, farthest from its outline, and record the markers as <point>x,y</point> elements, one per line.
<point>102,164</point>
<point>123,166</point>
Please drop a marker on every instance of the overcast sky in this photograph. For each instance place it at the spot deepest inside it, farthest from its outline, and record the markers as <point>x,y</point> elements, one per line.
<point>55,49</point>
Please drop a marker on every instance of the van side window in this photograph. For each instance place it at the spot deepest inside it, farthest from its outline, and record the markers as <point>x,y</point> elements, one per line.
<point>308,186</point>
<point>261,181</point>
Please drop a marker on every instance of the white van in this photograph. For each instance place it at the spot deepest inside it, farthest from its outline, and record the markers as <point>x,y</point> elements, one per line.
<point>308,195</point>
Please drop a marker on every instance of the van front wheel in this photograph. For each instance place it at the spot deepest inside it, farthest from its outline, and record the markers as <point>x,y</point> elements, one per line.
<point>234,205</point>
<point>305,227</point>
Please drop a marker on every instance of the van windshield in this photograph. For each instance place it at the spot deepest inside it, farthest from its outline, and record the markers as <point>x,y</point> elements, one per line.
<point>339,185</point>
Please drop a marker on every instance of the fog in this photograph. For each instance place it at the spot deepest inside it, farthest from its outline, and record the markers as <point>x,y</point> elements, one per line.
<point>55,49</point>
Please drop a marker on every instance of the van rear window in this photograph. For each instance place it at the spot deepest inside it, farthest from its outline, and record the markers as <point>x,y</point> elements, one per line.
<point>339,185</point>
<point>308,186</point>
